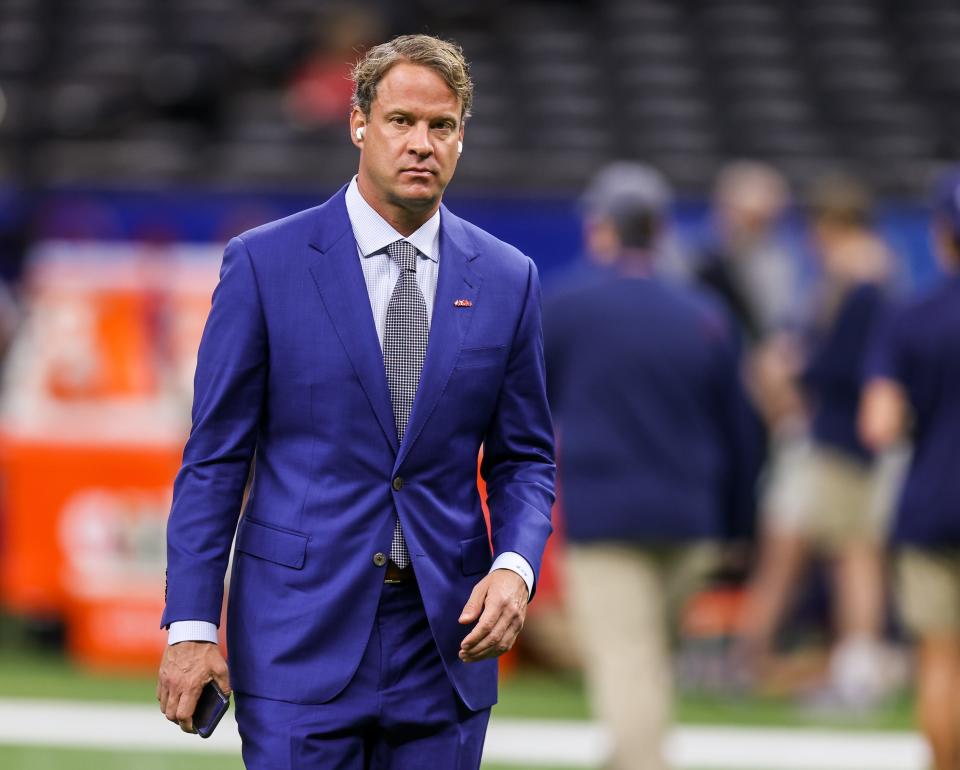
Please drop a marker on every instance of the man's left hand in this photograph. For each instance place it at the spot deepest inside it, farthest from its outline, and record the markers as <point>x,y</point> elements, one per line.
<point>500,603</point>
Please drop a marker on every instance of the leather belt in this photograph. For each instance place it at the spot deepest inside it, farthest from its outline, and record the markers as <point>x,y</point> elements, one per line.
<point>396,575</point>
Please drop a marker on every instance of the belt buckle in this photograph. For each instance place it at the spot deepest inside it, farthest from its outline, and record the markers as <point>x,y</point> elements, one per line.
<point>399,575</point>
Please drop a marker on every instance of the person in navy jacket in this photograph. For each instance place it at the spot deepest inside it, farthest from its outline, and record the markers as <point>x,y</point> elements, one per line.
<point>363,351</point>
<point>644,382</point>
<point>913,392</point>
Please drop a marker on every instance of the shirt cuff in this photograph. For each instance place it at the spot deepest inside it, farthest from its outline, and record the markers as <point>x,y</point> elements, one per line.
<point>192,631</point>
<point>514,562</point>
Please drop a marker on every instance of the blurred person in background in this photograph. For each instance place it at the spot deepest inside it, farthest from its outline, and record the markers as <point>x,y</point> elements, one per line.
<point>366,609</point>
<point>913,393</point>
<point>751,266</point>
<point>747,262</point>
<point>824,492</point>
<point>643,378</point>
<point>320,89</point>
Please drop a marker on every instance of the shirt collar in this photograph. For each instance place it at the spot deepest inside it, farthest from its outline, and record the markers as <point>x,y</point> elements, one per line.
<point>373,233</point>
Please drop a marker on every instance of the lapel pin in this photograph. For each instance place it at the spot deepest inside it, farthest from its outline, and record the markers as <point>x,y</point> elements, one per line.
<point>462,303</point>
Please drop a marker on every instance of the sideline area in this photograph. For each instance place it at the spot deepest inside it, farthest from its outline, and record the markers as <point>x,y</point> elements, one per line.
<point>529,742</point>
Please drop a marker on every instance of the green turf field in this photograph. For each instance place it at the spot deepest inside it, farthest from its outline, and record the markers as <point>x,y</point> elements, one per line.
<point>530,695</point>
<point>539,695</point>
<point>31,758</point>
<point>50,676</point>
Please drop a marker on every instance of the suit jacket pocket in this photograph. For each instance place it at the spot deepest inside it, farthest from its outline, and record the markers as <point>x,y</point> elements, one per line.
<point>475,357</point>
<point>475,554</point>
<point>264,541</point>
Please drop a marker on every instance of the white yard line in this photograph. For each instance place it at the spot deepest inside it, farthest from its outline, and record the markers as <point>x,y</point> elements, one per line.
<point>105,726</point>
<point>530,743</point>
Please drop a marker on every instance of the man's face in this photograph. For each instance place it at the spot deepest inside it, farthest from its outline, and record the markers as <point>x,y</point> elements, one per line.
<point>409,146</point>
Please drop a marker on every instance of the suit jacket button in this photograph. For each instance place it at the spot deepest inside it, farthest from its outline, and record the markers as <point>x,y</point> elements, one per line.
<point>379,559</point>
<point>398,483</point>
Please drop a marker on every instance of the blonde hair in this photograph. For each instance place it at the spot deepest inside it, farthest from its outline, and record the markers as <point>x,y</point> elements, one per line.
<point>443,57</point>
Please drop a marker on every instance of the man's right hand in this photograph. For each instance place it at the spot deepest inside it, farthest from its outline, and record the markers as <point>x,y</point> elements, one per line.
<point>185,668</point>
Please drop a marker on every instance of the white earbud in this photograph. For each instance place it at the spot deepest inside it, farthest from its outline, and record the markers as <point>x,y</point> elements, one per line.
<point>459,147</point>
<point>359,133</point>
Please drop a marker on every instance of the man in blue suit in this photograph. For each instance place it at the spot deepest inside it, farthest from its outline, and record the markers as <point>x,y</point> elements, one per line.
<point>363,351</point>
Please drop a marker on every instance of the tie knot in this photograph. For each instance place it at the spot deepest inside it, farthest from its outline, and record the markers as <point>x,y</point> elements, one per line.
<point>404,254</point>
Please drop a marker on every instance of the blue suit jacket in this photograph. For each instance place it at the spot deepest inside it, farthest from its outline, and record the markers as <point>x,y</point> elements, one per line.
<point>290,370</point>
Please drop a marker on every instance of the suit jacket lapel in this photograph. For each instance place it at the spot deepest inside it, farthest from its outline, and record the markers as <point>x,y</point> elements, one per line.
<point>456,281</point>
<point>339,278</point>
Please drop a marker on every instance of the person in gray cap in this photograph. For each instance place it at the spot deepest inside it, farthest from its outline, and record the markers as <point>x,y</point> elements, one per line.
<point>623,202</point>
<point>643,380</point>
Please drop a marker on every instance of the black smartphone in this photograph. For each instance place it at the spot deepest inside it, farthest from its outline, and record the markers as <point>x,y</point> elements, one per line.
<point>211,707</point>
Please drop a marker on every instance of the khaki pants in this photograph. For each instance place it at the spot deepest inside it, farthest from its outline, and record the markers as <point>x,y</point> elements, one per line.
<point>928,590</point>
<point>622,599</point>
<point>829,498</point>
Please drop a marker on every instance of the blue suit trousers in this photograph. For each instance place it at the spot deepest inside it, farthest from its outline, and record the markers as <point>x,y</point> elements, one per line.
<point>398,712</point>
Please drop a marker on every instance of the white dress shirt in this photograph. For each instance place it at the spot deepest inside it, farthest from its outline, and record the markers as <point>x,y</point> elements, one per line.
<point>373,234</point>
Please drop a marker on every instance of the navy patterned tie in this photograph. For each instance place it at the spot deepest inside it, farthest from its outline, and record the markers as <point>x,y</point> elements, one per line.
<point>404,347</point>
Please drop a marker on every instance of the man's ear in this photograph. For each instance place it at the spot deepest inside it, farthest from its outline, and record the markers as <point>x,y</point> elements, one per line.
<point>601,239</point>
<point>358,125</point>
